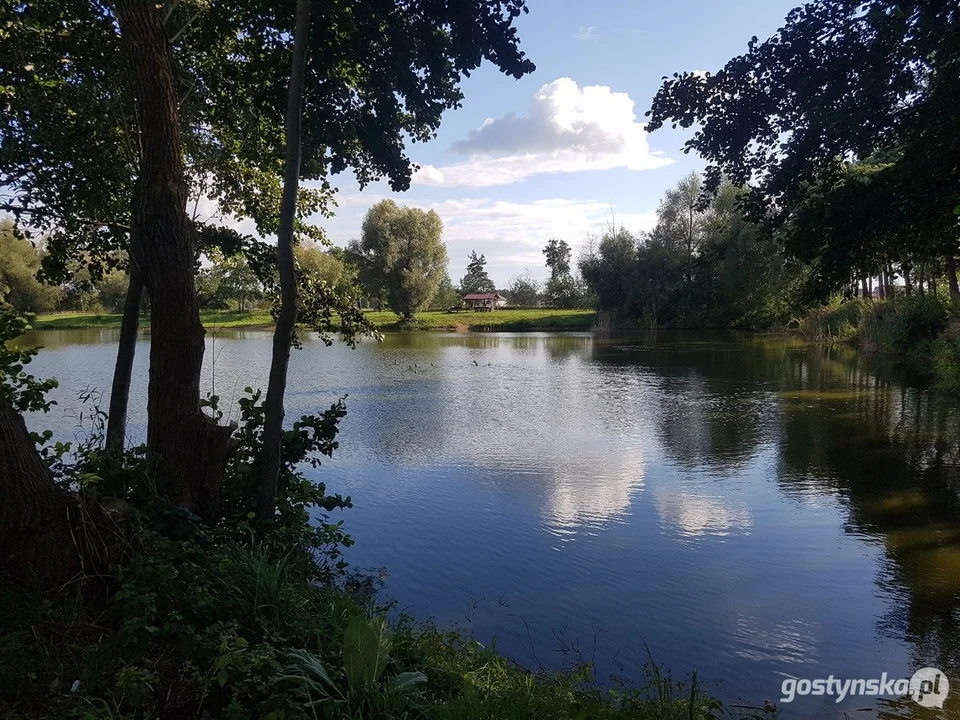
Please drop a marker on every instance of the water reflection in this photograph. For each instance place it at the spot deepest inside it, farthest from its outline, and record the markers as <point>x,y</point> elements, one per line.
<point>751,507</point>
<point>892,454</point>
<point>696,515</point>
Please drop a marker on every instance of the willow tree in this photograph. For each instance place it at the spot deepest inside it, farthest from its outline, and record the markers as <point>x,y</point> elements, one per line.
<point>404,247</point>
<point>379,73</point>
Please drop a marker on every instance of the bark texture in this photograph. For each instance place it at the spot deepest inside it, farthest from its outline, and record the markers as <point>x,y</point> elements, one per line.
<point>37,545</point>
<point>187,448</point>
<point>123,371</point>
<point>287,319</point>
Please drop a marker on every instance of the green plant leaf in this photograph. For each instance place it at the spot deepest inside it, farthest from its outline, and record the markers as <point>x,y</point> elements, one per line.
<point>366,649</point>
<point>306,670</point>
<point>407,680</point>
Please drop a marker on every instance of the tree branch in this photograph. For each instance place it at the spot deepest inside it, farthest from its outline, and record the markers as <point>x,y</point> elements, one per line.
<point>46,212</point>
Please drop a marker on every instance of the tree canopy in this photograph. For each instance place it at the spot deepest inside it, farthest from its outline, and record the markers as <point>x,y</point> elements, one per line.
<point>703,264</point>
<point>476,280</point>
<point>19,263</point>
<point>404,246</point>
<point>848,111</point>
<point>840,80</point>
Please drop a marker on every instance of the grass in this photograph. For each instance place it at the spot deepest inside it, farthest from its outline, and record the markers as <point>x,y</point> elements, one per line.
<point>497,320</point>
<point>923,330</point>
<point>504,320</point>
<point>237,632</point>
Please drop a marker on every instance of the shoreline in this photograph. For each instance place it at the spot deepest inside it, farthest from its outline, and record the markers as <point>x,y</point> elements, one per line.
<point>520,320</point>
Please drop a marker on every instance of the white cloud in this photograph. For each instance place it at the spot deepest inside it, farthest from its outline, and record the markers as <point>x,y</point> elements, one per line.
<point>510,234</point>
<point>585,33</point>
<point>206,210</point>
<point>567,129</point>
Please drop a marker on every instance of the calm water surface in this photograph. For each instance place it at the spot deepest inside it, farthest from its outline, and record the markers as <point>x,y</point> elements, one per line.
<point>749,508</point>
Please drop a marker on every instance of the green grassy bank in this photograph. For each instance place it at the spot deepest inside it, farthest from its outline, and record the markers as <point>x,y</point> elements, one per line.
<point>923,329</point>
<point>239,632</point>
<point>498,320</point>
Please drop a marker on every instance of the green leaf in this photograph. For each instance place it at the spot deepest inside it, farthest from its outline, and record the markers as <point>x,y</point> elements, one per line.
<point>307,670</point>
<point>408,680</point>
<point>366,649</point>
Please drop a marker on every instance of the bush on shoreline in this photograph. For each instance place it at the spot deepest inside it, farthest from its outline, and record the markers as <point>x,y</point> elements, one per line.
<point>922,328</point>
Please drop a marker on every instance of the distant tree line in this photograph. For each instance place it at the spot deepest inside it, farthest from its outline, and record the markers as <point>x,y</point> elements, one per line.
<point>224,281</point>
<point>24,288</point>
<point>703,264</point>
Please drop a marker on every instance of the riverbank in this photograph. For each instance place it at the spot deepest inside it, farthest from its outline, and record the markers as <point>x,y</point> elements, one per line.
<point>238,630</point>
<point>922,329</point>
<point>519,320</point>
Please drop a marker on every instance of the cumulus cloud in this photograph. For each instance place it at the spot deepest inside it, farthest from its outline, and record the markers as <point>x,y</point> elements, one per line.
<point>567,128</point>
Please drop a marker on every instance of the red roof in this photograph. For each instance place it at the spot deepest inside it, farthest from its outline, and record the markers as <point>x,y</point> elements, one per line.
<point>481,296</point>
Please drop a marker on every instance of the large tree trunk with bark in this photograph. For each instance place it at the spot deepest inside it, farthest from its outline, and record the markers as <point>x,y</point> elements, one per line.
<point>188,450</point>
<point>287,319</point>
<point>123,371</point>
<point>37,539</point>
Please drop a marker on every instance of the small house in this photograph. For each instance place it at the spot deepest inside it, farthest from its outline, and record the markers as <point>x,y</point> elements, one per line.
<point>483,302</point>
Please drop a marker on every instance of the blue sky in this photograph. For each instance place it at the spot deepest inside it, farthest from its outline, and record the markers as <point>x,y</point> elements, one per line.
<point>564,149</point>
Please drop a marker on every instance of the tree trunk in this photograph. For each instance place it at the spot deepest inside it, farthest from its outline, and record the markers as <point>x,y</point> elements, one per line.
<point>287,318</point>
<point>907,280</point>
<point>37,545</point>
<point>951,269</point>
<point>123,371</point>
<point>188,450</point>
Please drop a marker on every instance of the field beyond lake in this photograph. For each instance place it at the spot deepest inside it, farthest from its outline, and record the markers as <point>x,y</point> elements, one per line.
<point>521,319</point>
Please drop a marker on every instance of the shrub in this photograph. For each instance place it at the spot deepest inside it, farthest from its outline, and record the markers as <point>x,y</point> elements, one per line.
<point>833,323</point>
<point>946,359</point>
<point>918,320</point>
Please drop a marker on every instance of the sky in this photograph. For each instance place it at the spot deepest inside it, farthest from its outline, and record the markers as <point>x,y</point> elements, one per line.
<point>563,152</point>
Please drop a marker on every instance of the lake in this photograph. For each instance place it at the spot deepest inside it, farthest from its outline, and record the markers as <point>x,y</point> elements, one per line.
<point>750,508</point>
